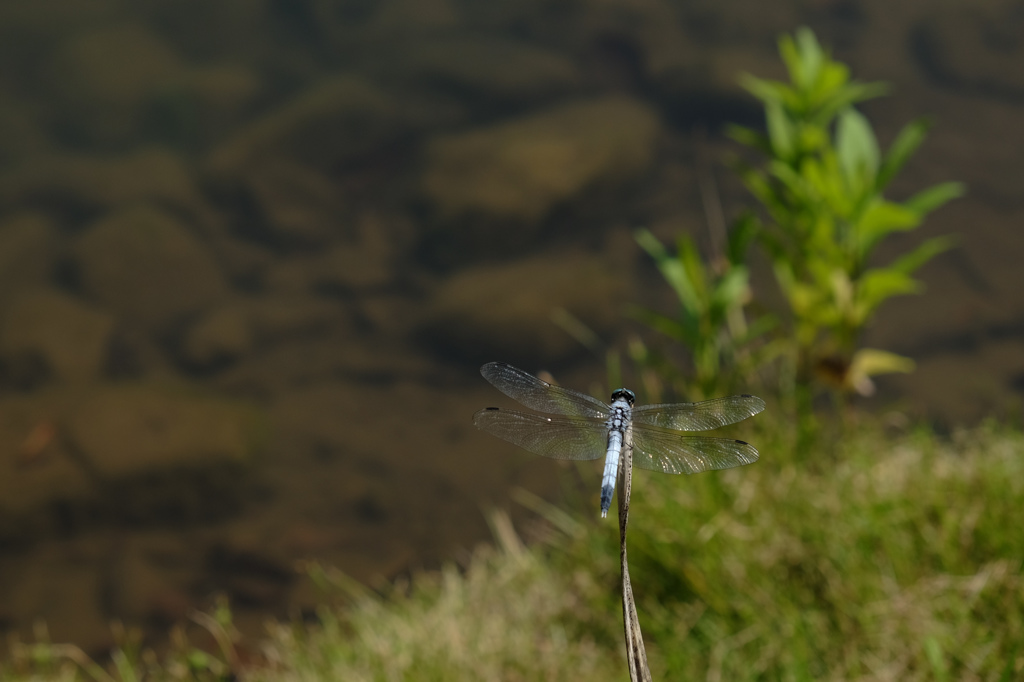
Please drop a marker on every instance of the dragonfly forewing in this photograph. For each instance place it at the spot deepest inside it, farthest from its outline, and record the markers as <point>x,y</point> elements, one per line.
<point>558,437</point>
<point>540,395</point>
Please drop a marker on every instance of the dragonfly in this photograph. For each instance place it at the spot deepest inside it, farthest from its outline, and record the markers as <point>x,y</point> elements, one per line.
<point>577,426</point>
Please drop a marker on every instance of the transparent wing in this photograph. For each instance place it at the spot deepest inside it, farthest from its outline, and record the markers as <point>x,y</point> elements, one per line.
<point>540,395</point>
<point>667,451</point>
<point>702,416</point>
<point>555,437</point>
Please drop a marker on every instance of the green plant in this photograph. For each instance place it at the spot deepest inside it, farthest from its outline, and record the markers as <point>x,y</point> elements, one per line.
<point>711,321</point>
<point>821,188</point>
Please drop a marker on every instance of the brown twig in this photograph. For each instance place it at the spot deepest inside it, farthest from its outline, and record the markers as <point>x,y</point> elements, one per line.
<point>635,652</point>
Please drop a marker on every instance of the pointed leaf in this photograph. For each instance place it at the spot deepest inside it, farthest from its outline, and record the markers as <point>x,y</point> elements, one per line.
<point>749,138</point>
<point>880,219</point>
<point>811,57</point>
<point>902,148</point>
<point>857,149</point>
<point>790,54</point>
<point>672,269</point>
<point>868,362</point>
<point>928,200</point>
<point>758,184</point>
<point>763,89</point>
<point>878,285</point>
<point>872,361</point>
<point>909,263</point>
<point>793,181</point>
<point>850,94</point>
<point>781,131</point>
<point>662,324</point>
<point>696,273</point>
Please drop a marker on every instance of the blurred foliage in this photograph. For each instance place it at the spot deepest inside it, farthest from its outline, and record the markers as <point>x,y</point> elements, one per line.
<point>726,349</point>
<point>131,660</point>
<point>822,213</point>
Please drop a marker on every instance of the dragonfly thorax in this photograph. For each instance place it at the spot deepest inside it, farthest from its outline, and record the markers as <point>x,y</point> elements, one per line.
<point>624,394</point>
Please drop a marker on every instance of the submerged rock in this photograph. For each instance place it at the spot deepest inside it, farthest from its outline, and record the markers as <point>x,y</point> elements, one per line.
<point>364,260</point>
<point>234,329</point>
<point>506,310</point>
<point>93,183</point>
<point>485,66</point>
<point>224,335</point>
<point>66,337</point>
<point>522,168</point>
<point>105,77</point>
<point>328,123</point>
<point>133,429</point>
<point>147,267</point>
<point>22,134</point>
<point>28,253</point>
<point>299,205</point>
<point>37,469</point>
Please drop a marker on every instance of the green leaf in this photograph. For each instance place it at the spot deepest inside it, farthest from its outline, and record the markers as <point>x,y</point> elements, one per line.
<point>696,273</point>
<point>868,362</point>
<point>926,201</point>
<point>812,139</point>
<point>878,285</point>
<point>757,184</point>
<point>804,298</point>
<point>749,138</point>
<point>880,219</point>
<point>663,324</point>
<point>833,79</point>
<point>811,58</point>
<point>849,95</point>
<point>909,263</point>
<point>857,150</point>
<point>822,173</point>
<point>672,269</point>
<point>793,180</point>
<point>649,243</point>
<point>872,361</point>
<point>732,290</point>
<point>763,89</point>
<point>791,58</point>
<point>781,131</point>
<point>743,233</point>
<point>902,148</point>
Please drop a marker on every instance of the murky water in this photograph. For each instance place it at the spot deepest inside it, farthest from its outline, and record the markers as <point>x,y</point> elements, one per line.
<point>252,252</point>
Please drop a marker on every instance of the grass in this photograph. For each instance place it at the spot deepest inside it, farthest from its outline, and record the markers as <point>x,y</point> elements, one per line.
<point>876,557</point>
<point>882,560</point>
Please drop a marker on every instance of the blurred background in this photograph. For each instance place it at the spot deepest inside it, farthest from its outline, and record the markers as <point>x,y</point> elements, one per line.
<point>252,253</point>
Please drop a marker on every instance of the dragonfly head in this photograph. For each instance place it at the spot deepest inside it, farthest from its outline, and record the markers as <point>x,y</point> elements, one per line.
<point>624,394</point>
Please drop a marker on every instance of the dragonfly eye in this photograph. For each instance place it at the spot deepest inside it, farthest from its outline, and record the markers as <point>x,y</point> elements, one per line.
<point>624,394</point>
